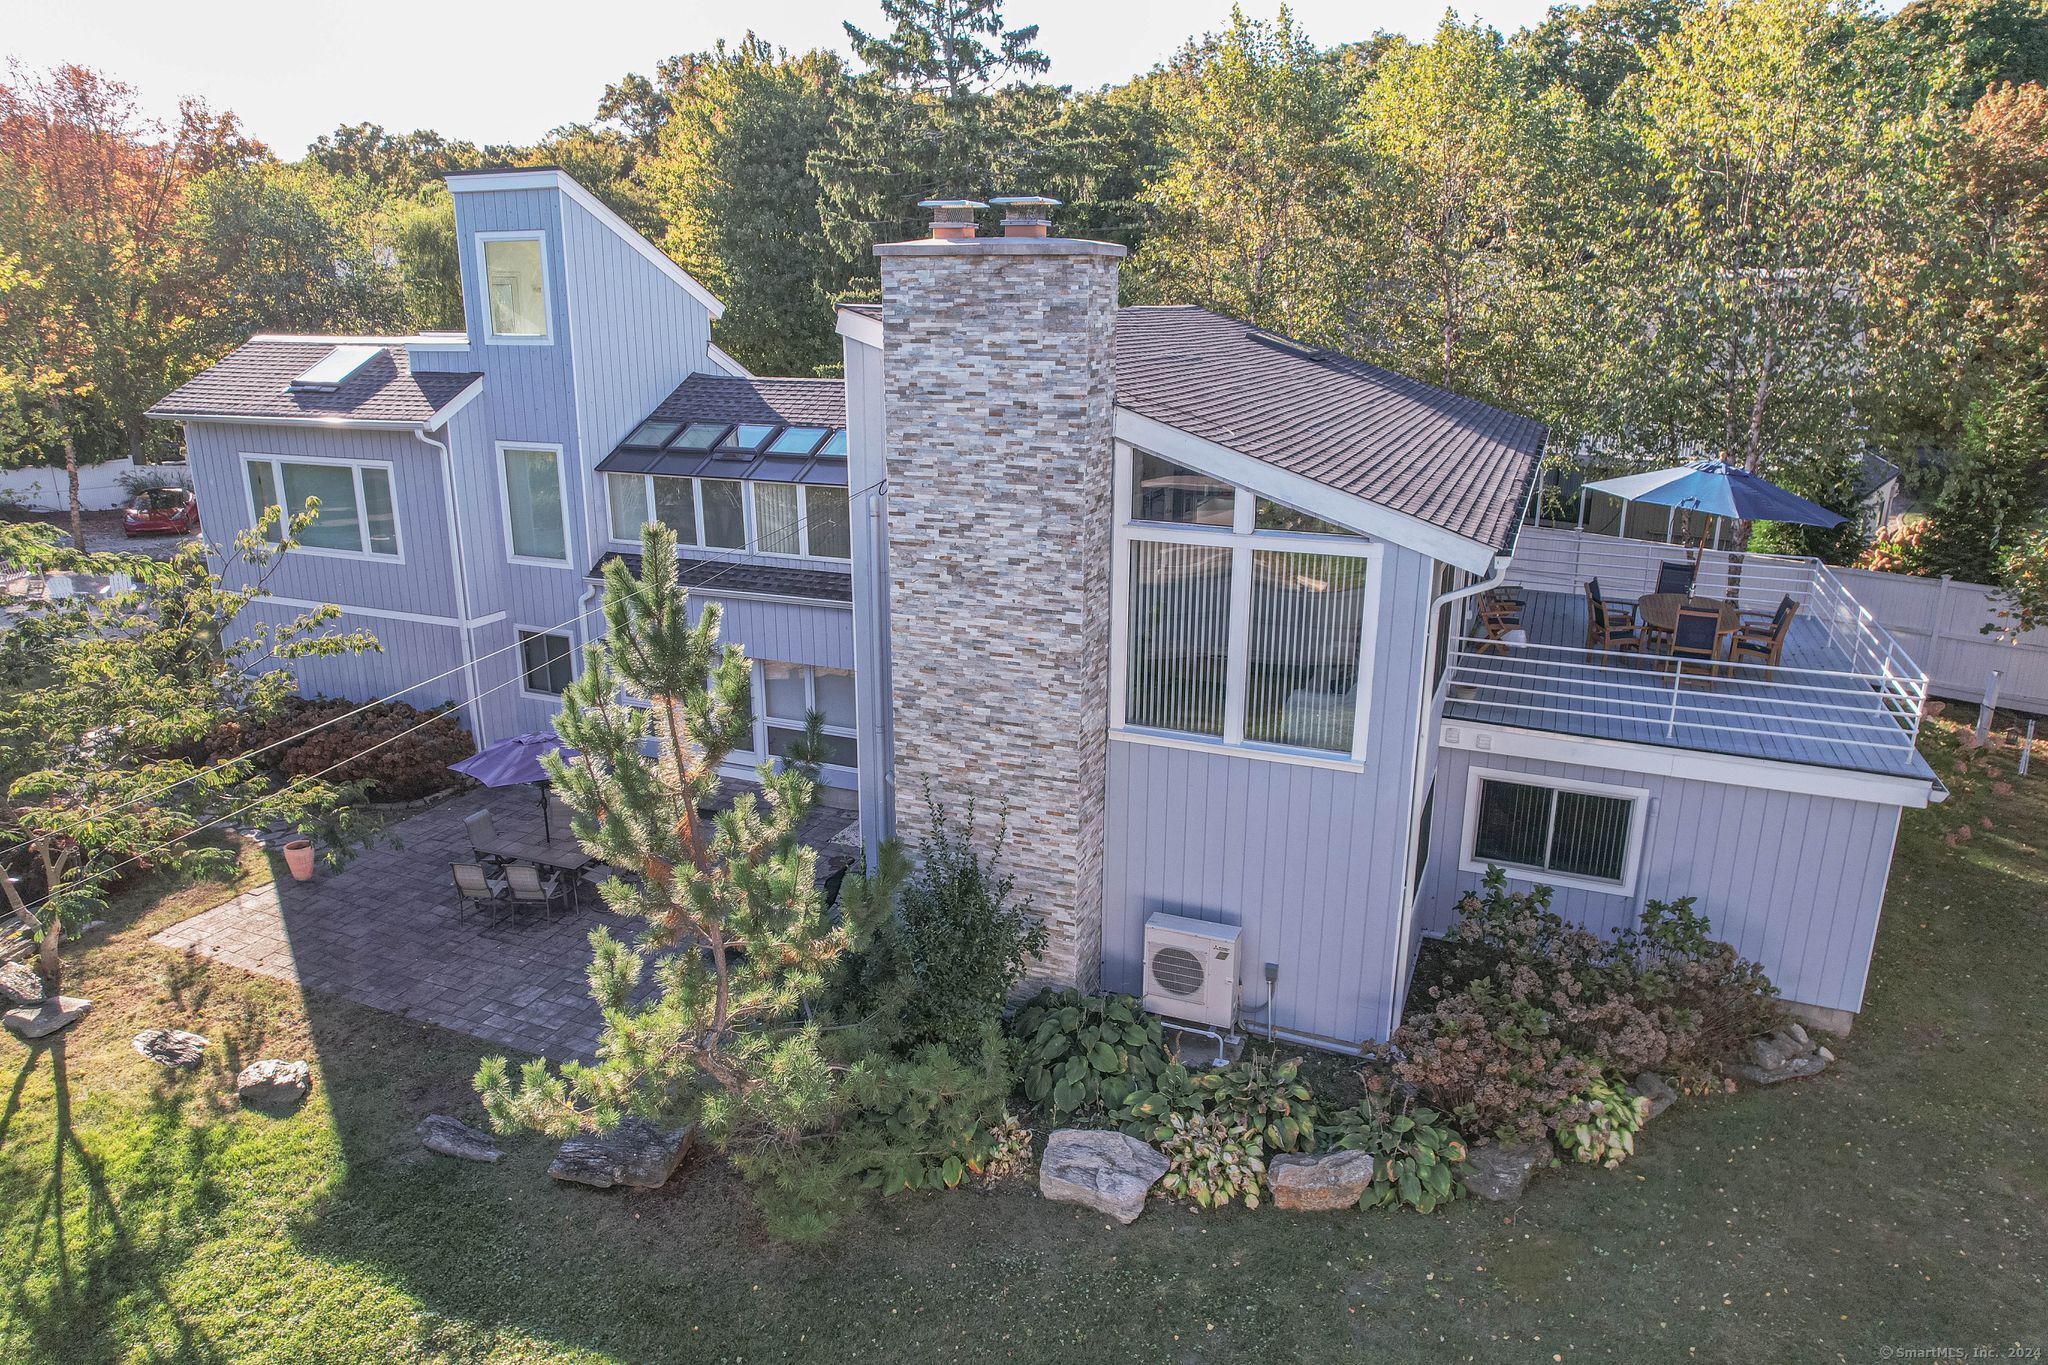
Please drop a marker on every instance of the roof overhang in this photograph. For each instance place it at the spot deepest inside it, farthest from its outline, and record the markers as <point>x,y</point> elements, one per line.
<point>437,419</point>
<point>717,355</point>
<point>1305,494</point>
<point>551,179</point>
<point>859,327</point>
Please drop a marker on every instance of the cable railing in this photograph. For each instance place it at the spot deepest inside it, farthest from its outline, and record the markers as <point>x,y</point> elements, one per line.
<point>1830,716</point>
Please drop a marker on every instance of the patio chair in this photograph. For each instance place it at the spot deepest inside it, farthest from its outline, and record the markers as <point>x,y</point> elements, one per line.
<point>1762,640</point>
<point>1610,625</point>
<point>1497,617</point>
<point>1676,576</point>
<point>1696,635</point>
<point>525,885</point>
<point>483,835</point>
<point>477,887</point>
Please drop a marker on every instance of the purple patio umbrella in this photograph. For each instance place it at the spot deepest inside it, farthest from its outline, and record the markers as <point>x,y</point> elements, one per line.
<point>515,762</point>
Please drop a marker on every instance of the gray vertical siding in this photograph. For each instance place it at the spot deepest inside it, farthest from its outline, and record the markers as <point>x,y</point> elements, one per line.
<point>1307,860</point>
<point>1794,881</point>
<point>790,632</point>
<point>416,663</point>
<point>867,467</point>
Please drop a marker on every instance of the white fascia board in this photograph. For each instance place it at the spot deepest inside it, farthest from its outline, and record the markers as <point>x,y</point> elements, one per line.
<point>717,355</point>
<point>342,423</point>
<point>429,339</point>
<point>595,207</point>
<point>1656,760</point>
<point>1304,494</point>
<point>455,404</point>
<point>859,327</point>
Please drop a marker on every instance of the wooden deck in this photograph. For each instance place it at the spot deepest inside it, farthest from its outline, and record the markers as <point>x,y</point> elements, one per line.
<point>1810,711</point>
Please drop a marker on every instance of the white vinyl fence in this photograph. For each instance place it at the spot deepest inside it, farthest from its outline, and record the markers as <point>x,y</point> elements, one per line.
<point>1940,622</point>
<point>42,489</point>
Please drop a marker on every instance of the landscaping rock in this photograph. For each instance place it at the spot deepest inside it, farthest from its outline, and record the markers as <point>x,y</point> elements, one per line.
<point>634,1153</point>
<point>274,1082</point>
<point>1500,1172</point>
<point>172,1047</point>
<point>1786,1054</point>
<point>1108,1172</point>
<point>40,1021</point>
<point>19,984</point>
<point>1318,1184</point>
<point>1651,1087</point>
<point>453,1137</point>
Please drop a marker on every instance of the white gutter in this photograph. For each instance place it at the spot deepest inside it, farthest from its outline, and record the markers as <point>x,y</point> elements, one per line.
<point>454,517</point>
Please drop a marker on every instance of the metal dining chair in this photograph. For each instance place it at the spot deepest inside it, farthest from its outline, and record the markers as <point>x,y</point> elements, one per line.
<point>483,836</point>
<point>477,887</point>
<point>525,885</point>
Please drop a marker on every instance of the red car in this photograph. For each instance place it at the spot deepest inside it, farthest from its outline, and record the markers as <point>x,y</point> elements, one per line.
<point>160,511</point>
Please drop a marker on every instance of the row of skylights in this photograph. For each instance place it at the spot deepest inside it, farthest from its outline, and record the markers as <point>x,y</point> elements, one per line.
<point>739,440</point>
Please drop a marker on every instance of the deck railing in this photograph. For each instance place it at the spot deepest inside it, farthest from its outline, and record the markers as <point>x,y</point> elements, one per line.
<point>1869,705</point>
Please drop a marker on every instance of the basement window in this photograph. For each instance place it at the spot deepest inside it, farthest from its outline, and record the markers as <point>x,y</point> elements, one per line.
<point>1561,833</point>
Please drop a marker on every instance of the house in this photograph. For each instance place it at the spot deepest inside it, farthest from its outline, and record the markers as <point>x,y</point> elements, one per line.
<point>1193,604</point>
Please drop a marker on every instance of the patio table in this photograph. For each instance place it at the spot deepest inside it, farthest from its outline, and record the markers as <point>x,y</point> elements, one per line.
<point>560,854</point>
<point>1658,611</point>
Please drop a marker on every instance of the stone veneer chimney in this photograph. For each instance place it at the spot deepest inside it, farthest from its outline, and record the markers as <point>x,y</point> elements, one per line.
<point>998,394</point>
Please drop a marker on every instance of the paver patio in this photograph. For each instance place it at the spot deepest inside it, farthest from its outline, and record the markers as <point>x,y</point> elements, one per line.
<point>388,931</point>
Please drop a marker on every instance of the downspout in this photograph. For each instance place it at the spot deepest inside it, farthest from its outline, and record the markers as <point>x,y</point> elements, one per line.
<point>1411,889</point>
<point>456,559</point>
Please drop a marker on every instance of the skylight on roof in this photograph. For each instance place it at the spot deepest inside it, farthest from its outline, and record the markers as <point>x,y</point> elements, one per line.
<point>653,433</point>
<point>750,435</point>
<point>835,446</point>
<point>332,369</point>
<point>700,436</point>
<point>796,441</point>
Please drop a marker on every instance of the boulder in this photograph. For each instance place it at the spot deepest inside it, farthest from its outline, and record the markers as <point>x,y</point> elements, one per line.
<point>19,984</point>
<point>1786,1054</point>
<point>40,1021</point>
<point>1651,1086</point>
<point>634,1153</point>
<point>274,1082</point>
<point>453,1137</point>
<point>172,1047</point>
<point>1108,1172</point>
<point>1501,1171</point>
<point>1318,1184</point>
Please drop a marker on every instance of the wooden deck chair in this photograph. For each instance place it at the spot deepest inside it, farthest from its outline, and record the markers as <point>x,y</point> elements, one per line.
<point>1610,625</point>
<point>1696,635</point>
<point>1676,576</point>
<point>1497,617</point>
<point>477,887</point>
<point>1761,640</point>
<point>526,886</point>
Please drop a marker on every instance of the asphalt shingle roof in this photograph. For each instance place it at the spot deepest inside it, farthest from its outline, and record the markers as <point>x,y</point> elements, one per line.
<point>254,380</point>
<point>714,576</point>
<point>1452,462</point>
<point>729,398</point>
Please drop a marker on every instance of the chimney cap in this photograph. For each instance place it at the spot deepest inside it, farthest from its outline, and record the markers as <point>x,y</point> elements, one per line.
<point>951,204</point>
<point>1026,201</point>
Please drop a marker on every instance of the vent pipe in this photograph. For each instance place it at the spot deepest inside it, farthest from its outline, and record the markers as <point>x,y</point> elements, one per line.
<point>952,219</point>
<point>1026,215</point>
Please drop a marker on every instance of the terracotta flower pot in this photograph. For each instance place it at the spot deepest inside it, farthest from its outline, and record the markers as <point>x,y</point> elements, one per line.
<point>298,856</point>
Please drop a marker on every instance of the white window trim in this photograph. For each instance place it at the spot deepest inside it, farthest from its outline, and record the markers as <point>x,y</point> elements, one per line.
<point>505,501</point>
<point>1242,539</point>
<point>762,720</point>
<point>519,649</point>
<point>803,523</point>
<point>277,462</point>
<point>750,516</point>
<point>1639,813</point>
<point>612,537</point>
<point>547,288</point>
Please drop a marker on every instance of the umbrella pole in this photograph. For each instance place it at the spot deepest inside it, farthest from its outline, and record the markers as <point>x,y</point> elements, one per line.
<point>547,832</point>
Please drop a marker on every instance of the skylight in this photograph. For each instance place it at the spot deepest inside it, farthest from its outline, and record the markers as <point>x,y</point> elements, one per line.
<point>835,446</point>
<point>335,367</point>
<point>700,435</point>
<point>653,434</point>
<point>796,441</point>
<point>751,435</point>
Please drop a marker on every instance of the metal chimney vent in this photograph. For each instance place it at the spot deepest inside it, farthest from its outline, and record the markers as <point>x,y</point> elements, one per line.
<point>1026,215</point>
<point>952,219</point>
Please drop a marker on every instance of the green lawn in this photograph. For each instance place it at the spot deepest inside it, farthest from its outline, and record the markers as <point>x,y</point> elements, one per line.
<point>1895,1201</point>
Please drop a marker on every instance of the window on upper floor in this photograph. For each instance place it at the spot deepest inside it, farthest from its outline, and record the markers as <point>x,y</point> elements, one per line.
<point>356,513</point>
<point>799,520</point>
<point>536,519</point>
<point>790,692</point>
<point>1236,633</point>
<point>1566,833</point>
<point>515,286</point>
<point>545,662</point>
<point>725,513</point>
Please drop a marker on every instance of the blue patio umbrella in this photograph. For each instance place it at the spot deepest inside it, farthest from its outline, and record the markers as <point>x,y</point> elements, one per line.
<point>515,762</point>
<point>1719,489</point>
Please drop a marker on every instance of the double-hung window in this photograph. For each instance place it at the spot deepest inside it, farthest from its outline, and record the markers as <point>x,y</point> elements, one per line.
<point>356,514</point>
<point>544,662</point>
<point>1242,622</point>
<point>1574,834</point>
<point>536,514</point>
<point>515,272</point>
<point>790,692</point>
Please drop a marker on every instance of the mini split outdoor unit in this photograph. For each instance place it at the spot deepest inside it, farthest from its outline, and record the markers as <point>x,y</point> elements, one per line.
<point>1191,970</point>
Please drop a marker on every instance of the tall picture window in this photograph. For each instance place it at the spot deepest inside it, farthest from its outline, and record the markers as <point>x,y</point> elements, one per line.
<point>536,521</point>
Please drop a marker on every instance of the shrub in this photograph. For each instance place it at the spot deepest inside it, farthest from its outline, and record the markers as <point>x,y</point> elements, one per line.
<point>1717,999</point>
<point>1086,1055</point>
<point>1415,1153</point>
<point>1488,1055</point>
<point>394,765</point>
<point>931,1120</point>
<point>1212,1159</point>
<point>1600,1126</point>
<point>1264,1096</point>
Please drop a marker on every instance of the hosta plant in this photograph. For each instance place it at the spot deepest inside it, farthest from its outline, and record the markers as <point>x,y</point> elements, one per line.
<point>1009,1150</point>
<point>1600,1125</point>
<point>1212,1159</point>
<point>1266,1096</point>
<point>1415,1153</point>
<point>1082,1055</point>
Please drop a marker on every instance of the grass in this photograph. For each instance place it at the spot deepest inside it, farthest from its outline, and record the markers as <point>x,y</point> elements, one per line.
<point>1895,1201</point>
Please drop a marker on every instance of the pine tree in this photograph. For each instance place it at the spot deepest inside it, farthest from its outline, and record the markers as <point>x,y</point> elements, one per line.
<point>938,45</point>
<point>736,938</point>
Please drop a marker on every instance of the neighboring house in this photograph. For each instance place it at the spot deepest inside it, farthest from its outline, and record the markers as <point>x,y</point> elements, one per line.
<point>1190,605</point>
